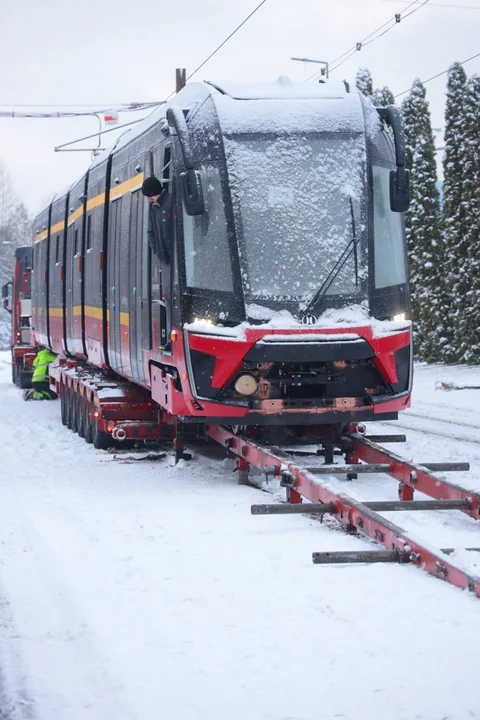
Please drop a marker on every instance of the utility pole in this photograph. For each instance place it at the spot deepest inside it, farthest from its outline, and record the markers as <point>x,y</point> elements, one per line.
<point>180,79</point>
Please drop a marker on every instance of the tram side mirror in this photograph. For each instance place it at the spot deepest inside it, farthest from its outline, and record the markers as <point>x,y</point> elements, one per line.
<point>193,192</point>
<point>400,189</point>
<point>5,300</point>
<point>399,178</point>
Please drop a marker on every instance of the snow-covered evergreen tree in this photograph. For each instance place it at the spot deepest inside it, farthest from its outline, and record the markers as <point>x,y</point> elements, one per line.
<point>424,237</point>
<point>382,97</point>
<point>363,81</point>
<point>467,255</point>
<point>453,210</point>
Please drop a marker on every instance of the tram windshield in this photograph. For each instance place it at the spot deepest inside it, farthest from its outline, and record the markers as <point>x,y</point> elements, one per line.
<point>297,203</point>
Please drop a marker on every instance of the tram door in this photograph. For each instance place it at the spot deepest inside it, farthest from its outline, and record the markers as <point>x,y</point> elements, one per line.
<point>161,168</point>
<point>113,285</point>
<point>136,284</point>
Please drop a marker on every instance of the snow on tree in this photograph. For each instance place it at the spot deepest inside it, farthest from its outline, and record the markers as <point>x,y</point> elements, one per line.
<point>382,97</point>
<point>432,332</point>
<point>453,209</point>
<point>363,81</point>
<point>467,255</point>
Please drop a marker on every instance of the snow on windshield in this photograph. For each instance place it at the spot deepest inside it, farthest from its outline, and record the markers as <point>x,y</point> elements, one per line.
<point>293,197</point>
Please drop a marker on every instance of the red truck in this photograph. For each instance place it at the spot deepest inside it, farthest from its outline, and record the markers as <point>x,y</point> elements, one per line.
<point>16,296</point>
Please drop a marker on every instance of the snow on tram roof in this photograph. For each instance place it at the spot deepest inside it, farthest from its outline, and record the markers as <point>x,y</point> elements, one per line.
<point>341,112</point>
<point>283,89</point>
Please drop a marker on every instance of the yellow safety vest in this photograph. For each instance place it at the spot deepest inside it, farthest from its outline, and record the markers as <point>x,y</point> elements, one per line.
<point>41,363</point>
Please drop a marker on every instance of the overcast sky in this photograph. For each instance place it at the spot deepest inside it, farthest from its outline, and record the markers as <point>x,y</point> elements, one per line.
<point>60,52</point>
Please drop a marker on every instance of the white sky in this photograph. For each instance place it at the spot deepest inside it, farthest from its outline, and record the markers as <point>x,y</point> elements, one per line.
<point>94,51</point>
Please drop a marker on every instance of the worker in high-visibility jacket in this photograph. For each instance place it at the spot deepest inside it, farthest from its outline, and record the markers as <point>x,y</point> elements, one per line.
<point>41,386</point>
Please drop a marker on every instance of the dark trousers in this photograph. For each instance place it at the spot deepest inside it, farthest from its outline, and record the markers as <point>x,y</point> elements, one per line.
<point>166,280</point>
<point>44,388</point>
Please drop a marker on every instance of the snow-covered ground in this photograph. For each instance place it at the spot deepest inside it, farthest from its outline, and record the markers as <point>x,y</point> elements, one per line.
<point>140,591</point>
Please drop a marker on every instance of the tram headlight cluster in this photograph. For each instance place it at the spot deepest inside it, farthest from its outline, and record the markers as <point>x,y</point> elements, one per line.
<point>400,317</point>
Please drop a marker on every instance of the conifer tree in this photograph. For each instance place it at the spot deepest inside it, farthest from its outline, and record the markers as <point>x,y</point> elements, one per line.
<point>467,285</point>
<point>423,228</point>
<point>453,210</point>
<point>363,82</point>
<point>382,97</point>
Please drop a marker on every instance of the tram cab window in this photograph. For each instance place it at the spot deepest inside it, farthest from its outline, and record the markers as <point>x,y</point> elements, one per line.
<point>206,237</point>
<point>390,252</point>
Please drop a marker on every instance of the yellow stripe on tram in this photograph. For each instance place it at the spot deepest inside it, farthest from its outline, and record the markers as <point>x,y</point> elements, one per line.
<point>134,183</point>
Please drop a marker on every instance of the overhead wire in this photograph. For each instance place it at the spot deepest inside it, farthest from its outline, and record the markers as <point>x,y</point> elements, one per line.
<point>221,44</point>
<point>377,34</point>
<point>63,114</point>
<point>445,5</point>
<point>374,35</point>
<point>128,107</point>
<point>156,104</point>
<point>434,77</point>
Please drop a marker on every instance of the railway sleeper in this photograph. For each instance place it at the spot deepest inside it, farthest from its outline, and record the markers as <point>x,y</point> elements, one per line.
<point>358,517</point>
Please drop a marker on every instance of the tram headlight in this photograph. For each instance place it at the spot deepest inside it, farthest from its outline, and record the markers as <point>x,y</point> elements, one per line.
<point>204,320</point>
<point>401,317</point>
<point>245,385</point>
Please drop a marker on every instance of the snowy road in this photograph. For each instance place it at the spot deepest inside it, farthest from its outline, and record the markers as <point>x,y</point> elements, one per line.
<point>133,592</point>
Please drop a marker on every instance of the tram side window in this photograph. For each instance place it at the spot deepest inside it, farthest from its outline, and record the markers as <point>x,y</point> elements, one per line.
<point>57,250</point>
<point>389,239</point>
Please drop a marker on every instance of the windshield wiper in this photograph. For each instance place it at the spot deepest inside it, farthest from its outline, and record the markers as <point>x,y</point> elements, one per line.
<point>352,247</point>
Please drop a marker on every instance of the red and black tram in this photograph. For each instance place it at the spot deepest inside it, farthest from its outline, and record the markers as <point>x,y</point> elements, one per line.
<point>287,269</point>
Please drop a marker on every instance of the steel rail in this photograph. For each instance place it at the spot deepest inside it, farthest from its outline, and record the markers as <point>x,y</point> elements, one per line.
<point>355,516</point>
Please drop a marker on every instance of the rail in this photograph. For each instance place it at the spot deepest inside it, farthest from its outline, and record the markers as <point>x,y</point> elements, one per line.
<point>362,455</point>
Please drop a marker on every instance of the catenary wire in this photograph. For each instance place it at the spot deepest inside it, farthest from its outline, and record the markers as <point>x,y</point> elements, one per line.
<point>63,114</point>
<point>189,76</point>
<point>391,22</point>
<point>445,5</point>
<point>434,77</point>
<point>127,107</point>
<point>221,44</point>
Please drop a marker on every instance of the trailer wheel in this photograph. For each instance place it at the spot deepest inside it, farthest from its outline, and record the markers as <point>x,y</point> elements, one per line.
<point>73,410</point>
<point>101,439</point>
<point>24,379</point>
<point>63,408</point>
<point>80,415</point>
<point>87,421</point>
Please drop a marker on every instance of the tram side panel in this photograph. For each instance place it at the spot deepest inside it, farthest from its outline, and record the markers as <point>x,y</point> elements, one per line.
<point>41,242</point>
<point>74,270</point>
<point>119,262</point>
<point>56,274</point>
<point>95,259</point>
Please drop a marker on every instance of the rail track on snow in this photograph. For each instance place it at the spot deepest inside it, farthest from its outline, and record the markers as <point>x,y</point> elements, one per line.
<point>439,427</point>
<point>304,472</point>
